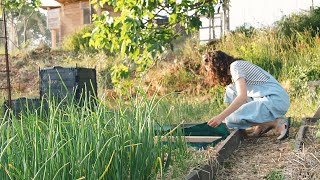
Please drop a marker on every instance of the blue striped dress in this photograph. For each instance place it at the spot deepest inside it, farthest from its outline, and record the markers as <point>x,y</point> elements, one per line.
<point>267,99</point>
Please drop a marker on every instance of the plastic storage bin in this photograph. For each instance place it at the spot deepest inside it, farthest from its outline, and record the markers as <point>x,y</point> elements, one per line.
<point>59,82</point>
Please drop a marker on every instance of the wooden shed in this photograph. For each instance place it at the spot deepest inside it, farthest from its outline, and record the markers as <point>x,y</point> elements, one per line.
<point>66,16</point>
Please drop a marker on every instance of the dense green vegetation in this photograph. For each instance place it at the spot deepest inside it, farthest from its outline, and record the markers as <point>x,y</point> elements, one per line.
<point>70,142</point>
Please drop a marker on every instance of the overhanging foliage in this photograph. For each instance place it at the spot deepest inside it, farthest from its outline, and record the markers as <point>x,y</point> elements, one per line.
<point>136,34</point>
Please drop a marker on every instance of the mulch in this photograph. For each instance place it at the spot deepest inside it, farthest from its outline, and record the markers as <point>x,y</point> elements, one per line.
<point>305,164</point>
<point>267,158</point>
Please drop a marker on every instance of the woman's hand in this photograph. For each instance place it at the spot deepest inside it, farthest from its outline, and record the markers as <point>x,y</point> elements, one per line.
<point>215,121</point>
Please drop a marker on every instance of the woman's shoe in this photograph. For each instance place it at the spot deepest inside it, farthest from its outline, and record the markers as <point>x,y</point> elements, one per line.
<point>284,132</point>
<point>258,132</point>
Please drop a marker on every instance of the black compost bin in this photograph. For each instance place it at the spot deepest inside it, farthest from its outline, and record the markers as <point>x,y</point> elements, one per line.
<point>75,82</point>
<point>24,105</point>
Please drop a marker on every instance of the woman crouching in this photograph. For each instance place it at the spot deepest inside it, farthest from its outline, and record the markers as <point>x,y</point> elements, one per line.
<point>256,98</point>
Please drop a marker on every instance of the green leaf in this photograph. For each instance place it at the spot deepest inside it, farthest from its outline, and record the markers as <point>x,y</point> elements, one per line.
<point>173,18</point>
<point>123,48</point>
<point>134,31</point>
<point>136,53</point>
<point>86,35</point>
<point>195,22</point>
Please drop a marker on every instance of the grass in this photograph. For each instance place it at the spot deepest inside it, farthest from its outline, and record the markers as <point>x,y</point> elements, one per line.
<point>293,62</point>
<point>70,142</point>
<point>190,109</point>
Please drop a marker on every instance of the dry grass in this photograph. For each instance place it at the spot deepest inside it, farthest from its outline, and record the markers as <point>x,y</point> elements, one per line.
<point>265,158</point>
<point>305,164</point>
<point>256,158</point>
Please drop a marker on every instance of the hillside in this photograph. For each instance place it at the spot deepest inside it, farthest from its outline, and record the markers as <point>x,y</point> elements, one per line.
<point>179,71</point>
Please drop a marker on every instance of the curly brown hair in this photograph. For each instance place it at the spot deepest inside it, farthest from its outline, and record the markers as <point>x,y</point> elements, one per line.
<point>217,66</point>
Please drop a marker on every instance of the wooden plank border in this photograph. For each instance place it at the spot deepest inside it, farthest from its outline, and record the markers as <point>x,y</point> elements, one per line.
<point>193,139</point>
<point>299,138</point>
<point>224,150</point>
<point>303,129</point>
<point>310,120</point>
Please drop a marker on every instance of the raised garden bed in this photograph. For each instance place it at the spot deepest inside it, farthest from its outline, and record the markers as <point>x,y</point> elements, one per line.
<point>305,159</point>
<point>222,151</point>
<point>214,144</point>
<point>306,122</point>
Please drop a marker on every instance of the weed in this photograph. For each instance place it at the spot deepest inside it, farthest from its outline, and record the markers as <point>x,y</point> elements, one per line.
<point>274,175</point>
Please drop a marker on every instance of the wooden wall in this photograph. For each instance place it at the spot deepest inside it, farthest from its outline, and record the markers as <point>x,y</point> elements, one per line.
<point>72,17</point>
<point>53,18</point>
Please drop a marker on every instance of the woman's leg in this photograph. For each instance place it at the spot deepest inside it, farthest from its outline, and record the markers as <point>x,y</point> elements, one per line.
<point>277,124</point>
<point>249,114</point>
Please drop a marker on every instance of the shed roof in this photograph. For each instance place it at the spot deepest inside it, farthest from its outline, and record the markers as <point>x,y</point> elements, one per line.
<point>69,1</point>
<point>45,4</point>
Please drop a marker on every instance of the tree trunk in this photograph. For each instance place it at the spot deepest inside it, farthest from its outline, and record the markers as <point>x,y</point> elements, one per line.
<point>226,17</point>
<point>13,36</point>
<point>25,24</point>
<point>24,32</point>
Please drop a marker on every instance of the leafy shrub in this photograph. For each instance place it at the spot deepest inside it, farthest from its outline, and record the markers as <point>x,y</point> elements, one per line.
<point>289,26</point>
<point>304,75</point>
<point>76,41</point>
<point>318,131</point>
<point>245,29</point>
<point>313,74</point>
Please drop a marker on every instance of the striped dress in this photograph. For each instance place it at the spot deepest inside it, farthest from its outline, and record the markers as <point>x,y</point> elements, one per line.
<point>267,99</point>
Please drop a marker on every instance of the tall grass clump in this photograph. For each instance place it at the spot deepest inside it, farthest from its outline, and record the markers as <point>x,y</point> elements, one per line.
<point>71,142</point>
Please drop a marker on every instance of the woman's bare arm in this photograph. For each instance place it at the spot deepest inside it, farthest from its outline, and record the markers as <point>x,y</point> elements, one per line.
<point>236,103</point>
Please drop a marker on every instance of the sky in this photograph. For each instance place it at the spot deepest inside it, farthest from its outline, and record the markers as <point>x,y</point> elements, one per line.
<point>260,13</point>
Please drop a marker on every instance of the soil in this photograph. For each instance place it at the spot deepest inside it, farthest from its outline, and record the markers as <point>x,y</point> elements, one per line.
<point>24,70</point>
<point>267,158</point>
